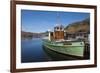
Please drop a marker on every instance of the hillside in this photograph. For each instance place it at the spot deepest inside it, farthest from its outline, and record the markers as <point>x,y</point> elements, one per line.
<point>81,26</point>
<point>25,34</point>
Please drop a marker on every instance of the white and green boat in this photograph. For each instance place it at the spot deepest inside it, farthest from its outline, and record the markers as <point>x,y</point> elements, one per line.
<point>70,48</point>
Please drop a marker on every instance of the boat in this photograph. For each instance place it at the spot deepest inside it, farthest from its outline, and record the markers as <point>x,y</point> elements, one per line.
<point>70,48</point>
<point>61,42</point>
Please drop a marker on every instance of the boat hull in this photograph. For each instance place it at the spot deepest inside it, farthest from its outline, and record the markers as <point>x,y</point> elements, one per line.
<point>75,49</point>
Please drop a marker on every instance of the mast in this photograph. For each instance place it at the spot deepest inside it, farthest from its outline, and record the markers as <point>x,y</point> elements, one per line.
<point>58,18</point>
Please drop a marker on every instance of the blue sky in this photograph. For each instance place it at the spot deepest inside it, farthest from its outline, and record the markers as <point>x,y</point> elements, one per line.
<point>41,21</point>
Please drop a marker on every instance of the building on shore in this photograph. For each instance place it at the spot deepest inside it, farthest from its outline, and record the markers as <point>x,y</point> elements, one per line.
<point>77,35</point>
<point>59,34</point>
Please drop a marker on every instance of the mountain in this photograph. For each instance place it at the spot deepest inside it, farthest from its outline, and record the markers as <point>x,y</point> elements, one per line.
<point>25,34</point>
<point>81,26</point>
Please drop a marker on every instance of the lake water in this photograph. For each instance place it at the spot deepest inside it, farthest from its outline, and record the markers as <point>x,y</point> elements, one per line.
<point>32,50</point>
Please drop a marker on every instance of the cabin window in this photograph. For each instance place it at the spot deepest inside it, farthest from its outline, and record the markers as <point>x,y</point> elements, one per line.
<point>60,28</point>
<point>57,28</point>
<point>51,34</point>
